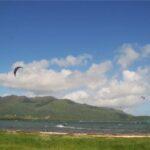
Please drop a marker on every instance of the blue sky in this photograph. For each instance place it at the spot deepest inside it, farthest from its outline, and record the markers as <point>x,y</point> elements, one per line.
<point>32,31</point>
<point>36,30</point>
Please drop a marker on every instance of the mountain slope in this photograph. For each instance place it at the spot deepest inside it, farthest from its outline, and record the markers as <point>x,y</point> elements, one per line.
<point>49,108</point>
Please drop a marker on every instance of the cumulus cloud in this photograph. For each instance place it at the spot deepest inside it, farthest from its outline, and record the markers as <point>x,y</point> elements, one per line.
<point>130,75</point>
<point>35,65</point>
<point>127,56</point>
<point>78,96</point>
<point>146,51</point>
<point>95,86</point>
<point>100,68</point>
<point>71,60</point>
<point>38,78</point>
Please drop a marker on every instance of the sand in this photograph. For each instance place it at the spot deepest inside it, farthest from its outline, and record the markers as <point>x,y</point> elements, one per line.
<point>85,134</point>
<point>99,135</point>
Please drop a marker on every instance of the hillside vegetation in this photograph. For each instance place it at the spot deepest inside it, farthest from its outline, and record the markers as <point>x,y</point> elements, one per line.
<point>50,108</point>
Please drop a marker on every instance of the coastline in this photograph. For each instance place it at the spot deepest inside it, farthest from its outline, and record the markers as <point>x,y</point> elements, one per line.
<point>98,135</point>
<point>75,134</point>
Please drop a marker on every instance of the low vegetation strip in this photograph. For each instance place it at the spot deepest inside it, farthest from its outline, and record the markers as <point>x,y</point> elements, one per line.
<point>37,141</point>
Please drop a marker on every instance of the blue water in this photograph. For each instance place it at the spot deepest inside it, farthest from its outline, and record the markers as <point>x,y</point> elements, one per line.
<point>77,126</point>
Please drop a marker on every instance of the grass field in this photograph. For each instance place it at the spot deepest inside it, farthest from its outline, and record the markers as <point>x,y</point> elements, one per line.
<point>36,141</point>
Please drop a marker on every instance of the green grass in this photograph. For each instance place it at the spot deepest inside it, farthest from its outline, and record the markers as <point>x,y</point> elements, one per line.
<point>36,141</point>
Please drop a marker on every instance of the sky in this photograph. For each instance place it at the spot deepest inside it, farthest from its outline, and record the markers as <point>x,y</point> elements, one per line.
<point>96,53</point>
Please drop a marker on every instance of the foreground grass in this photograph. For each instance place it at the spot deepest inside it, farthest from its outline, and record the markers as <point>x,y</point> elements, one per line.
<point>26,141</point>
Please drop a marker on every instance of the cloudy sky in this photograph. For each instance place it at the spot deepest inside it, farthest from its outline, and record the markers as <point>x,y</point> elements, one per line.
<point>91,52</point>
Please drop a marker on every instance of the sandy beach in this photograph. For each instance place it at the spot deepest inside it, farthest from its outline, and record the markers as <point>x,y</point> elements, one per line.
<point>83,134</point>
<point>98,135</point>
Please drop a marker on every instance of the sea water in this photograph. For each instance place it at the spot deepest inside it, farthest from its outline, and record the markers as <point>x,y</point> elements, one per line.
<point>78,126</point>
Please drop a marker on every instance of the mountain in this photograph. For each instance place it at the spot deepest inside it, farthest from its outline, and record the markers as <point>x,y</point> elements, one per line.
<point>50,108</point>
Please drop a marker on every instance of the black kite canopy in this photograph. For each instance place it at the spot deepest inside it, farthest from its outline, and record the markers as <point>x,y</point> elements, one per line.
<point>16,69</point>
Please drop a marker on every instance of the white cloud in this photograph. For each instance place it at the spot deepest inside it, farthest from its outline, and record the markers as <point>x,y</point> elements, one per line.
<point>78,96</point>
<point>100,68</point>
<point>127,56</point>
<point>146,51</point>
<point>71,60</point>
<point>94,86</point>
<point>130,75</point>
<point>35,65</point>
<point>97,88</point>
<point>37,77</point>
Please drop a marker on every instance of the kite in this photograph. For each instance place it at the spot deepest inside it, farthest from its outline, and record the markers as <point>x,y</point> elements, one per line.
<point>16,69</point>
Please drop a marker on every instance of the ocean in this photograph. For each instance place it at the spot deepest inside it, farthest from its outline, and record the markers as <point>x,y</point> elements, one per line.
<point>77,126</point>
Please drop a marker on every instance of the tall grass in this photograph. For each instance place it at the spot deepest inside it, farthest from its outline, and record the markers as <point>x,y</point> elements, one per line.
<point>33,141</point>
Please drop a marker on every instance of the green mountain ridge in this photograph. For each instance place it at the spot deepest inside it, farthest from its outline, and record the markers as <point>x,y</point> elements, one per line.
<point>50,108</point>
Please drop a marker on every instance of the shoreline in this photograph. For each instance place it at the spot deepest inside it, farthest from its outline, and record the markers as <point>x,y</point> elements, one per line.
<point>98,134</point>
<point>81,134</point>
